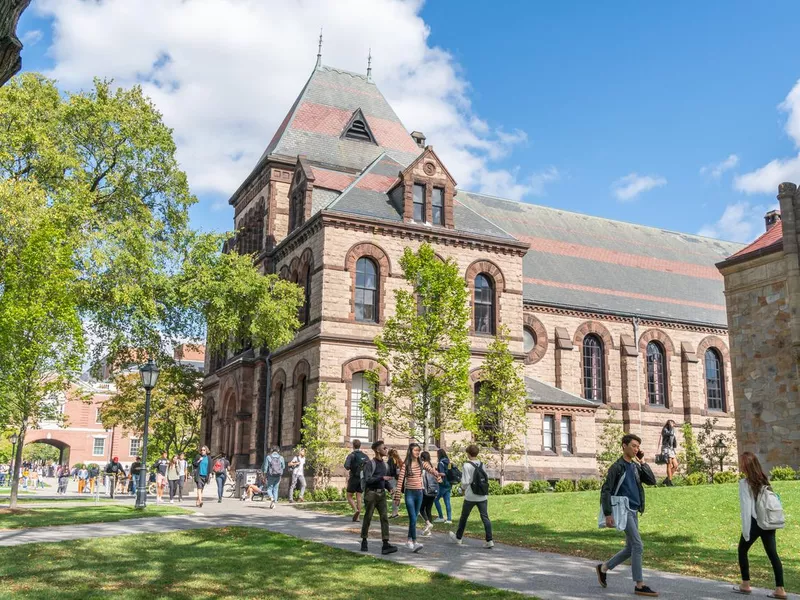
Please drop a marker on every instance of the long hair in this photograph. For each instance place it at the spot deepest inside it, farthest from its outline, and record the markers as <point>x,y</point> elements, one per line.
<point>667,425</point>
<point>394,456</point>
<point>425,456</point>
<point>753,472</point>
<point>441,453</point>
<point>410,457</point>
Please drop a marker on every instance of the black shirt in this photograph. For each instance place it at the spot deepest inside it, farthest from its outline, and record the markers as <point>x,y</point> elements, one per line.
<point>377,481</point>
<point>161,466</point>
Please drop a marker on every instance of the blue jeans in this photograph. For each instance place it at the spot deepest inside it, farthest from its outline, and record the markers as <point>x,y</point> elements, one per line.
<point>444,494</point>
<point>221,479</point>
<point>413,506</point>
<point>634,549</point>
<point>273,483</point>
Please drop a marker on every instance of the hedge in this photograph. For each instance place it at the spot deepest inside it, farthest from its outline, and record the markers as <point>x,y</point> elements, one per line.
<point>782,473</point>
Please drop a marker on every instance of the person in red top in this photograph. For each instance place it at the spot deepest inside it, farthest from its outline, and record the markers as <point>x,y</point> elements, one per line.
<point>410,481</point>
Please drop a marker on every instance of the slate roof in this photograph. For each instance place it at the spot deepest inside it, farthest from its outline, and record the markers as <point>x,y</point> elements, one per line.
<point>542,393</point>
<point>768,242</point>
<point>584,262</point>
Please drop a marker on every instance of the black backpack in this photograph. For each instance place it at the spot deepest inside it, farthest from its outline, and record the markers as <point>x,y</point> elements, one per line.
<point>480,481</point>
<point>357,463</point>
<point>453,474</point>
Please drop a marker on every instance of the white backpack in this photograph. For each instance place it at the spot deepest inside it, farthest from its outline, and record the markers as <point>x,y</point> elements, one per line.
<point>769,512</point>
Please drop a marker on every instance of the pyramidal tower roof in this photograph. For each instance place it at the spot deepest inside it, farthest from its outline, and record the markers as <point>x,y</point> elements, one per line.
<point>316,124</point>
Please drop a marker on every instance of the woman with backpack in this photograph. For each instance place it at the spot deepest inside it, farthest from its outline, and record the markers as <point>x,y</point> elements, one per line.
<point>220,470</point>
<point>409,482</point>
<point>394,463</point>
<point>430,489</point>
<point>202,468</point>
<point>761,516</point>
<point>450,475</point>
<point>669,443</point>
<point>173,476</point>
<point>475,483</point>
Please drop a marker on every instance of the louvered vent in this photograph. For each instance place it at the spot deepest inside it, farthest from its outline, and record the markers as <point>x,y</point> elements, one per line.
<point>358,131</point>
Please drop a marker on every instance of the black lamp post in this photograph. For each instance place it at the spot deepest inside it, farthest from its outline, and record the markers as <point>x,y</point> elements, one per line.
<point>149,373</point>
<point>720,449</point>
<point>13,439</point>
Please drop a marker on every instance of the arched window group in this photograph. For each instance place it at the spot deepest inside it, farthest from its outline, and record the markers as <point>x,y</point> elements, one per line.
<point>656,375</point>
<point>484,304</point>
<point>593,371</point>
<point>366,299</point>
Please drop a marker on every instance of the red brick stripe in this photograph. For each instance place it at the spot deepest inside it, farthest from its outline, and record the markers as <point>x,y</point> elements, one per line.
<point>331,180</point>
<point>376,183</point>
<point>621,258</point>
<point>607,292</point>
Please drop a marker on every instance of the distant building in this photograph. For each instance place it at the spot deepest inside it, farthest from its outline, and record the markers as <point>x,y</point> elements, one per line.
<point>762,291</point>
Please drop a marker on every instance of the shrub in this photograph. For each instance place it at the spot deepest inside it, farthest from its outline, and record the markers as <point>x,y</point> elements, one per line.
<point>610,443</point>
<point>538,486</point>
<point>317,495</point>
<point>513,488</point>
<point>782,473</point>
<point>696,479</point>
<point>494,487</point>
<point>678,480</point>
<point>332,494</point>
<point>726,477</point>
<point>565,485</point>
<point>590,483</point>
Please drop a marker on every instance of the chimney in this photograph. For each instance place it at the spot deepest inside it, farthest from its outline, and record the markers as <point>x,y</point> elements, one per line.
<point>771,218</point>
<point>418,137</point>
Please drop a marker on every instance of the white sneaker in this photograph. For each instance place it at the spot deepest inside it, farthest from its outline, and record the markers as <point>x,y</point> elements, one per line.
<point>417,547</point>
<point>427,531</point>
<point>439,520</point>
<point>454,539</point>
<point>488,545</point>
<point>410,545</point>
<point>448,522</point>
<point>172,501</point>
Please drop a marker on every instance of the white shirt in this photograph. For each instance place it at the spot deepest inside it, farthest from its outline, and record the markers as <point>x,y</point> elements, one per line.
<point>181,467</point>
<point>747,505</point>
<point>466,481</point>
<point>301,463</point>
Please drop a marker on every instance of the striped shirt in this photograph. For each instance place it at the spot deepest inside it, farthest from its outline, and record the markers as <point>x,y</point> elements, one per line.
<point>414,479</point>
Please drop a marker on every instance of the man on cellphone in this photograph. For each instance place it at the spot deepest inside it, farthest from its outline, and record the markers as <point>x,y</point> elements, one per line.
<point>625,478</point>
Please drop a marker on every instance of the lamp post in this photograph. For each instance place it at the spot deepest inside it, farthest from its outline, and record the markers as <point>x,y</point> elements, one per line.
<point>149,373</point>
<point>13,439</point>
<point>720,450</point>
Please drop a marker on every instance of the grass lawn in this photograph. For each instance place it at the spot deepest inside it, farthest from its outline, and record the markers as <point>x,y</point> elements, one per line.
<point>216,563</point>
<point>689,530</point>
<point>78,515</point>
<point>29,499</point>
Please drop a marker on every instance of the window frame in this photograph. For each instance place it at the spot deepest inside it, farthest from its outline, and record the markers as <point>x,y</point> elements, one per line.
<point>719,367</point>
<point>363,289</point>
<point>593,367</point>
<point>279,417</point>
<point>421,204</point>
<point>95,439</point>
<point>98,420</point>
<point>489,306</point>
<point>356,423</point>
<point>566,430</point>
<point>437,210</point>
<point>657,383</point>
<point>131,451</point>
<point>529,330</point>
<point>549,418</point>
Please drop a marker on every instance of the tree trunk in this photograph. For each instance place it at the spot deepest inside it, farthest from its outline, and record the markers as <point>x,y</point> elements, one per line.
<point>16,470</point>
<point>502,469</point>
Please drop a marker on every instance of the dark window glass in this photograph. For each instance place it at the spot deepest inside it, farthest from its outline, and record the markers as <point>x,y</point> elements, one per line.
<point>484,305</point>
<point>548,433</point>
<point>437,206</point>
<point>419,203</point>
<point>305,309</point>
<point>566,435</point>
<point>488,421</point>
<point>715,388</point>
<point>656,375</point>
<point>366,290</point>
<point>279,420</point>
<point>302,403</point>
<point>528,340</point>
<point>593,368</point>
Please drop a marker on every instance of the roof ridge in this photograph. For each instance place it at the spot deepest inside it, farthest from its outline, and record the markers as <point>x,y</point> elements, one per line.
<point>753,246</point>
<point>345,72</point>
<point>357,179</point>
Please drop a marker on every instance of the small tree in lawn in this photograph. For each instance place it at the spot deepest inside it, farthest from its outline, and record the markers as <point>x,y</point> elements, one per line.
<point>610,440</point>
<point>321,436</point>
<point>425,347</point>
<point>499,419</point>
<point>715,447</point>
<point>689,457</point>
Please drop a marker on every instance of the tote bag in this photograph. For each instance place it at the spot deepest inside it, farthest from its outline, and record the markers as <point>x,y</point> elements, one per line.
<point>619,509</point>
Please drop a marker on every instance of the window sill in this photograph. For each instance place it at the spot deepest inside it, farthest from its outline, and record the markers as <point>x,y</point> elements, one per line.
<point>483,335</point>
<point>547,452</point>
<point>657,408</point>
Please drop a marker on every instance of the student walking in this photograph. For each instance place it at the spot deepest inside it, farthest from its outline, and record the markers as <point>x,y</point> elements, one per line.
<point>430,489</point>
<point>409,482</point>
<point>63,480</point>
<point>445,488</point>
<point>220,470</point>
<point>298,464</point>
<point>669,443</point>
<point>624,482</point>
<point>394,463</point>
<point>202,468</point>
<point>173,476</point>
<point>754,496</point>
<point>134,474</point>
<point>475,485</point>
<point>161,466</point>
<point>83,477</point>
<point>376,484</point>
<point>354,462</point>
<point>274,465</point>
<point>183,467</point>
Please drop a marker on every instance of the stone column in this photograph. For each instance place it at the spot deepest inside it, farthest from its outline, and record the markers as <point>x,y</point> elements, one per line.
<point>631,384</point>
<point>689,362</point>
<point>563,348</point>
<point>788,197</point>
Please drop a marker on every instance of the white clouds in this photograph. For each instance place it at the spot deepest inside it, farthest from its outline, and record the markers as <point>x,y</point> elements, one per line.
<point>627,188</point>
<point>31,38</point>
<point>715,170</point>
<point>225,72</point>
<point>740,222</point>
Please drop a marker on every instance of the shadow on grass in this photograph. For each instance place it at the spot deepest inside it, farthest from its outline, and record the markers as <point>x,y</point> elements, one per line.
<point>19,518</point>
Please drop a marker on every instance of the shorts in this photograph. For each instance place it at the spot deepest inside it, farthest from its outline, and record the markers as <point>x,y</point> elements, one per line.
<point>200,481</point>
<point>161,480</point>
<point>668,453</point>
<point>354,486</point>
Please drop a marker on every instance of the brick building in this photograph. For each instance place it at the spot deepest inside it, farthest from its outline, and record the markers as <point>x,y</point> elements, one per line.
<point>762,289</point>
<point>603,314</point>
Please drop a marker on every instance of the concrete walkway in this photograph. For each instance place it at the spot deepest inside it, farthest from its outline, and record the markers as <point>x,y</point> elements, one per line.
<point>545,575</point>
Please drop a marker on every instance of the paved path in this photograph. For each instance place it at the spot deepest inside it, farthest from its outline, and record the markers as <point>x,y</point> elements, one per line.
<point>546,575</point>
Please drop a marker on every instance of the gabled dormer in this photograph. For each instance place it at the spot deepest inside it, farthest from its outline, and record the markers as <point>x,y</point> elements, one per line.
<point>425,192</point>
<point>300,193</point>
<point>358,129</point>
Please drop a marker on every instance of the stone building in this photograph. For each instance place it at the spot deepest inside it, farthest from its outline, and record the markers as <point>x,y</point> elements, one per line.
<point>762,291</point>
<point>603,314</point>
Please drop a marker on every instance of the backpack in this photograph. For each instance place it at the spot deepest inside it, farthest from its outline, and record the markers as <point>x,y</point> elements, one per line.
<point>769,512</point>
<point>356,465</point>
<point>429,483</point>
<point>453,474</point>
<point>480,481</point>
<point>219,466</point>
<point>274,468</point>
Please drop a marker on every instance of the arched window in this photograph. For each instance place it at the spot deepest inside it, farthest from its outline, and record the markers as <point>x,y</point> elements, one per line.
<point>593,383</point>
<point>366,308</point>
<point>487,421</point>
<point>302,403</point>
<point>304,312</point>
<point>715,380</point>
<point>484,304</point>
<point>528,340</point>
<point>279,419</point>
<point>360,388</point>
<point>656,375</point>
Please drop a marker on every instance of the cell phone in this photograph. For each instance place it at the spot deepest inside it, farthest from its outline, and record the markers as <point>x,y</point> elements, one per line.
<point>640,455</point>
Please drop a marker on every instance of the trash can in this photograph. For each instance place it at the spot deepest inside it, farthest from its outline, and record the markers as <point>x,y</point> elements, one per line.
<point>245,477</point>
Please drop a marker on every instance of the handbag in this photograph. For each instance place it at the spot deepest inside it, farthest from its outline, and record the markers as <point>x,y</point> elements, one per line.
<point>619,509</point>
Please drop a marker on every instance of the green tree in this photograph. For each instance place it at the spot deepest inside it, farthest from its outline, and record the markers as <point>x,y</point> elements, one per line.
<point>321,436</point>
<point>689,456</point>
<point>610,443</point>
<point>500,417</point>
<point>425,346</point>
<point>715,447</point>
<point>40,451</point>
<point>95,244</point>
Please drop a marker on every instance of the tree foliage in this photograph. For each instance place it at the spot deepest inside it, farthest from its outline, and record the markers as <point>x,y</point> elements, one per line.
<point>715,447</point>
<point>610,443</point>
<point>425,346</point>
<point>321,436</point>
<point>500,417</point>
<point>689,456</point>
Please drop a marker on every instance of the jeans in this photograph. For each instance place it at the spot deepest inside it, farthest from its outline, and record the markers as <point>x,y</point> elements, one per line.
<point>221,479</point>
<point>298,476</point>
<point>768,541</point>
<point>444,494</point>
<point>173,488</point>
<point>427,504</point>
<point>375,499</point>
<point>134,482</point>
<point>273,483</point>
<point>634,548</point>
<point>483,509</point>
<point>413,506</point>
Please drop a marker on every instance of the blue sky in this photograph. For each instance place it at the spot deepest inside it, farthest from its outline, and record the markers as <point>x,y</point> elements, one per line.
<point>551,103</point>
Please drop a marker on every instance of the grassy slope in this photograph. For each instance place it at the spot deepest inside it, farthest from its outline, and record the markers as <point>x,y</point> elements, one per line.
<point>689,530</point>
<point>216,563</point>
<point>77,515</point>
